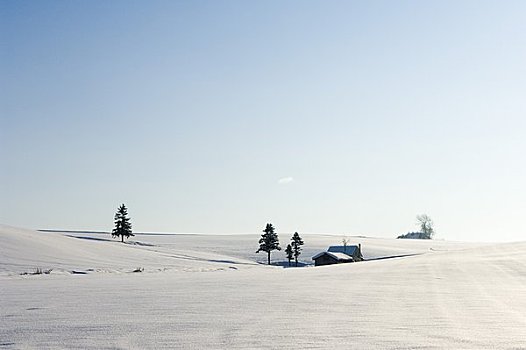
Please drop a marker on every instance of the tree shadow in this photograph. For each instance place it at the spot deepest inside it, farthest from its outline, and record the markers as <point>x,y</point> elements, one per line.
<point>392,257</point>
<point>220,261</point>
<point>91,238</point>
<point>285,264</point>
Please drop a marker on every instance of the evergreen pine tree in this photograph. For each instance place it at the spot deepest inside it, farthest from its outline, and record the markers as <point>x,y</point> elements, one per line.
<point>269,241</point>
<point>297,242</point>
<point>123,226</point>
<point>289,253</point>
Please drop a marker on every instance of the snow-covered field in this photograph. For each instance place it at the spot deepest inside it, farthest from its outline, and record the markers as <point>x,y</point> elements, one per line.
<point>212,292</point>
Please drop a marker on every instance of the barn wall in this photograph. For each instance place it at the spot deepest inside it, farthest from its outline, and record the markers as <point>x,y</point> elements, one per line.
<point>325,260</point>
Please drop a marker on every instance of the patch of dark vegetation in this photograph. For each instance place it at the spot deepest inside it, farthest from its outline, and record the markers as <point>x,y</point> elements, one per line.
<point>38,271</point>
<point>414,235</point>
<point>426,229</point>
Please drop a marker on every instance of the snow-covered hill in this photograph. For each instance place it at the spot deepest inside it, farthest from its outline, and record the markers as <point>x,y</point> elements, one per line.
<point>63,252</point>
<point>26,250</point>
<point>208,292</point>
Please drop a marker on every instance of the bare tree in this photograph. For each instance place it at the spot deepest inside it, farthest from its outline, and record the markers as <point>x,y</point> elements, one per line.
<point>426,226</point>
<point>345,242</point>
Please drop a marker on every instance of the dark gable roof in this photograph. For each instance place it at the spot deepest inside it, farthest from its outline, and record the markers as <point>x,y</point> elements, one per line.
<point>349,250</point>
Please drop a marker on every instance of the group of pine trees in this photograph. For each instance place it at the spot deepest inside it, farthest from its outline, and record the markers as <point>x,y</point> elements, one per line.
<point>269,241</point>
<point>294,248</point>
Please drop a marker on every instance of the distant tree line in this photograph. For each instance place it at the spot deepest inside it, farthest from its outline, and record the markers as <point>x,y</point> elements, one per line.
<point>426,228</point>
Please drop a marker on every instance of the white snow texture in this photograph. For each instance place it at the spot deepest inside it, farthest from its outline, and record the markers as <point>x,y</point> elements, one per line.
<point>214,292</point>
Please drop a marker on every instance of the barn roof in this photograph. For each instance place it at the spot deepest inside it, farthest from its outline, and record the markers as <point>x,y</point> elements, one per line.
<point>335,255</point>
<point>349,250</point>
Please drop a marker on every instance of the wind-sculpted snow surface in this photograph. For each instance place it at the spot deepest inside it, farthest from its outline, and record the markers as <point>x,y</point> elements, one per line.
<point>450,296</point>
<point>25,251</point>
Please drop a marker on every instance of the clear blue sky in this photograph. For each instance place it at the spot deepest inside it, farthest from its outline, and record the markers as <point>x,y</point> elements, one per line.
<point>344,117</point>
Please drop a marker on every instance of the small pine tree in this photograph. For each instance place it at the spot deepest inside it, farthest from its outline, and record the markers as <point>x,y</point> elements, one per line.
<point>297,242</point>
<point>290,253</point>
<point>123,227</point>
<point>269,241</point>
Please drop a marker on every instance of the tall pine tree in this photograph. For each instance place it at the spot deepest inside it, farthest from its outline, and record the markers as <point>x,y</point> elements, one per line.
<point>290,253</point>
<point>269,241</point>
<point>296,243</point>
<point>123,227</point>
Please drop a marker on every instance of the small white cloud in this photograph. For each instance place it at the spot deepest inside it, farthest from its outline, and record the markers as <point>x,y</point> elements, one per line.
<point>285,180</point>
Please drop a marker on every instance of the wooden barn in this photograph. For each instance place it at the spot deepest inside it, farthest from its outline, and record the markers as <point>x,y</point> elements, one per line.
<point>339,255</point>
